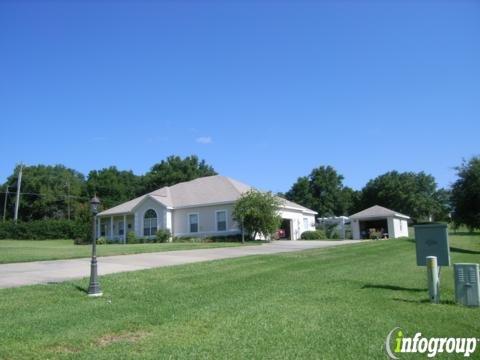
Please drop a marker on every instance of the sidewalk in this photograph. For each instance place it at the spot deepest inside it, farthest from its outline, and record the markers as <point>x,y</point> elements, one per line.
<point>44,272</point>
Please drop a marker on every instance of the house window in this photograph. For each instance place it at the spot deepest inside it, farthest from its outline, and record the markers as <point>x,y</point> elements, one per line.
<point>305,223</point>
<point>193,223</point>
<point>150,223</point>
<point>221,220</point>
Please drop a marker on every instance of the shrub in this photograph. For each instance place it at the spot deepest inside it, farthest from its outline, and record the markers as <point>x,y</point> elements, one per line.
<point>334,235</point>
<point>47,229</point>
<point>101,241</point>
<point>163,235</point>
<point>132,238</point>
<point>225,238</point>
<point>313,235</point>
<point>331,231</point>
<point>187,239</point>
<point>375,235</point>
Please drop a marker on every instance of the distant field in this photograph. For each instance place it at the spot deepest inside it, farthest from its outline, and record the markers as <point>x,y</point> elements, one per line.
<point>337,303</point>
<point>28,250</point>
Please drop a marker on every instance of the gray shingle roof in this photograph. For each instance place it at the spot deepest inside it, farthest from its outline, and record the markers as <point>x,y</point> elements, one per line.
<point>199,192</point>
<point>377,211</point>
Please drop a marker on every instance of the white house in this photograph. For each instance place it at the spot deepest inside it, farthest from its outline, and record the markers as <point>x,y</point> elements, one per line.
<point>198,208</point>
<point>388,222</point>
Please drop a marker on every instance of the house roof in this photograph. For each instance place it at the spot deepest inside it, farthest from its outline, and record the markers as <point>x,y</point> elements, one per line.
<point>290,204</point>
<point>203,191</point>
<point>377,211</point>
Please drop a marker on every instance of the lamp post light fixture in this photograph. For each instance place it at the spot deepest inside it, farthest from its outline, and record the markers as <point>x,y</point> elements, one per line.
<point>94,287</point>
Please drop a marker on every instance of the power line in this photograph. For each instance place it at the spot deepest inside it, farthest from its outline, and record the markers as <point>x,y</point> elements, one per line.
<point>68,198</point>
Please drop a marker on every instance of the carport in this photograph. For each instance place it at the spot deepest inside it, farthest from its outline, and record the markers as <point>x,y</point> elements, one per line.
<point>379,220</point>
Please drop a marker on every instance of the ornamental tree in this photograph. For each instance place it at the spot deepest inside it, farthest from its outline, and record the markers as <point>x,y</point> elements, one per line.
<point>257,213</point>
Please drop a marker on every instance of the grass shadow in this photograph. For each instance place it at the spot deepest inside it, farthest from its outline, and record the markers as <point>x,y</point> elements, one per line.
<point>391,287</point>
<point>464,251</point>
<point>425,301</point>
<point>82,289</point>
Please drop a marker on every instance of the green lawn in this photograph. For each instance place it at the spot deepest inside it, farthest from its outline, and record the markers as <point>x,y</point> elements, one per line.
<point>28,250</point>
<point>336,303</point>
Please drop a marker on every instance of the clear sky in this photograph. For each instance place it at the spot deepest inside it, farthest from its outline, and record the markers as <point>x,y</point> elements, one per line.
<point>263,91</point>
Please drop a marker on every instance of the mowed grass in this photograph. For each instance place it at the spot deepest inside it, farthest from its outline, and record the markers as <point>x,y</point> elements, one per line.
<point>27,250</point>
<point>337,303</point>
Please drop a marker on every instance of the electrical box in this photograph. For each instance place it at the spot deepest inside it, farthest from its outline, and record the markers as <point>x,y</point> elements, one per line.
<point>432,240</point>
<point>467,284</point>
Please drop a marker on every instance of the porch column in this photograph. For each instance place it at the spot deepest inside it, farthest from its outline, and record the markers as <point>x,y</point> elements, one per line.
<point>135,225</point>
<point>111,227</point>
<point>124,229</point>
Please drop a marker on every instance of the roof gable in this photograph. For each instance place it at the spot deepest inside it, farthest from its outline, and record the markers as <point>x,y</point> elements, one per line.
<point>377,211</point>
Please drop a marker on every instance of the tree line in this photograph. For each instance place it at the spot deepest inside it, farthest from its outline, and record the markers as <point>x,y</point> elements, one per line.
<point>410,193</point>
<point>414,194</point>
<point>58,192</point>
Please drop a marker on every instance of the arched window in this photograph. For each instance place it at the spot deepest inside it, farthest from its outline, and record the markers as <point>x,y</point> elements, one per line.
<point>150,223</point>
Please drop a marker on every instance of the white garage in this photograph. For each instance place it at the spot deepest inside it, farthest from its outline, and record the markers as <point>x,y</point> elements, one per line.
<point>379,220</point>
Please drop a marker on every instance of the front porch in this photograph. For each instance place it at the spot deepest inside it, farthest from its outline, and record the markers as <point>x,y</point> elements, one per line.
<point>115,228</point>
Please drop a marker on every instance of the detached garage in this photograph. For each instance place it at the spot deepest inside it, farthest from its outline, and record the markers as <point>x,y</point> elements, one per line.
<point>383,222</point>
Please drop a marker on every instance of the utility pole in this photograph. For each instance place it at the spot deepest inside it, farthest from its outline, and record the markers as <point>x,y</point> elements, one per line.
<point>19,185</point>
<point>68,198</point>
<point>5,204</point>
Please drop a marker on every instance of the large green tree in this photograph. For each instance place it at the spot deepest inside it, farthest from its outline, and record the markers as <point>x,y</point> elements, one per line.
<point>257,213</point>
<point>47,192</point>
<point>466,194</point>
<point>174,170</point>
<point>414,194</point>
<point>113,186</point>
<point>323,191</point>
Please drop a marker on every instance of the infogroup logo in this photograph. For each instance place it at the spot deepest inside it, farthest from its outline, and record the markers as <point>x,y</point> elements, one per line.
<point>397,343</point>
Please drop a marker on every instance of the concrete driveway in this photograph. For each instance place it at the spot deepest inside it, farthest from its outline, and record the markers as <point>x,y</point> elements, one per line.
<point>44,272</point>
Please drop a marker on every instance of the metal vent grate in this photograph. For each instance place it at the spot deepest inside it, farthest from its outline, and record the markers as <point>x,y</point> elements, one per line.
<point>467,284</point>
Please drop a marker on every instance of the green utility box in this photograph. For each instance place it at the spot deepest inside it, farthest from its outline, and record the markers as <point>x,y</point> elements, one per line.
<point>432,240</point>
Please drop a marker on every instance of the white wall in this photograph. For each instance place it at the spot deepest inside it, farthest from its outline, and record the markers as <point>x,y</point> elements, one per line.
<point>207,223</point>
<point>208,227</point>
<point>400,228</point>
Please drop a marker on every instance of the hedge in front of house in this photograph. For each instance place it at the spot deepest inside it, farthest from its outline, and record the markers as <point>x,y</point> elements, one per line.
<point>45,229</point>
<point>208,239</point>
<point>313,235</point>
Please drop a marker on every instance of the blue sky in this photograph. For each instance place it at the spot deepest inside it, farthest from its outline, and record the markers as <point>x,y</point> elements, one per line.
<point>263,91</point>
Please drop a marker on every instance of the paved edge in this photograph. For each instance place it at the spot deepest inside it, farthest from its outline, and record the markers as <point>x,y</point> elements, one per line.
<point>54,271</point>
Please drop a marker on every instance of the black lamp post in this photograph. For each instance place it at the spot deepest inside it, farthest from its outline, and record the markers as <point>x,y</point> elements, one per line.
<point>94,287</point>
